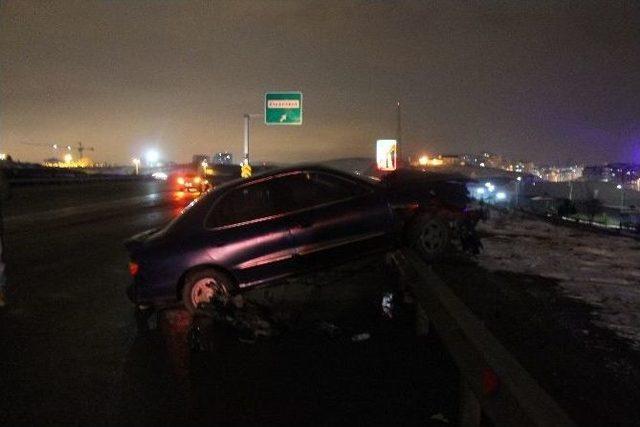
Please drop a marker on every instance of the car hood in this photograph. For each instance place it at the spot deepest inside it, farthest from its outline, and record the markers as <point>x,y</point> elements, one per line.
<point>411,185</point>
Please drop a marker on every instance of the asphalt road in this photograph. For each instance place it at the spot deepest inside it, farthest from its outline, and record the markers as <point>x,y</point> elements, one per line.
<point>70,351</point>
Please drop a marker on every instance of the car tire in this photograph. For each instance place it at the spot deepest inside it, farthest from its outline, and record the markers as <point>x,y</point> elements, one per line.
<point>203,286</point>
<point>431,237</point>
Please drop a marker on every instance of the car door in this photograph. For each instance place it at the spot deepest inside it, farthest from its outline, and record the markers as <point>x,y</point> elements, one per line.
<point>336,219</point>
<point>248,233</point>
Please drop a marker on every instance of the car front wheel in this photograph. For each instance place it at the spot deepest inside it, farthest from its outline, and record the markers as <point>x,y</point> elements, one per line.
<point>431,237</point>
<point>205,286</point>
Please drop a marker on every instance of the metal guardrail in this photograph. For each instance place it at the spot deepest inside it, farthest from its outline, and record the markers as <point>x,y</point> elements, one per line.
<point>625,231</point>
<point>572,223</point>
<point>96,209</point>
<point>492,381</point>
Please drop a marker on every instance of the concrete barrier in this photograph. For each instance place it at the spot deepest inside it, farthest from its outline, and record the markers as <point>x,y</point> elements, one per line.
<point>19,182</point>
<point>492,381</point>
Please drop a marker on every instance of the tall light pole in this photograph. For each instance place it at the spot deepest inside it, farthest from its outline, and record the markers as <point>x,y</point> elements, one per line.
<point>247,126</point>
<point>518,179</point>
<point>136,163</point>
<point>621,188</point>
<point>570,190</point>
<point>398,132</point>
<point>247,119</point>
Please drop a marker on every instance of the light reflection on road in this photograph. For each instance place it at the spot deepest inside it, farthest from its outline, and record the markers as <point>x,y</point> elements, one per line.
<point>173,325</point>
<point>180,200</point>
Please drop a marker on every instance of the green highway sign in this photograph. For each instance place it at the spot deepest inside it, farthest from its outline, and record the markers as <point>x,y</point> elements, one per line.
<point>283,108</point>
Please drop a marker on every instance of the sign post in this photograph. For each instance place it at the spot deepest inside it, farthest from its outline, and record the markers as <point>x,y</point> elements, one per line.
<point>246,168</point>
<point>280,108</point>
<point>283,108</point>
<point>247,118</point>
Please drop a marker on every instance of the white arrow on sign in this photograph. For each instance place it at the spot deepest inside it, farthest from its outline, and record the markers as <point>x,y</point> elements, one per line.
<point>283,118</point>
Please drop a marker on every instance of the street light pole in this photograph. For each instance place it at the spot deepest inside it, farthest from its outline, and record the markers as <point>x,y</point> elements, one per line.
<point>247,118</point>
<point>621,188</point>
<point>136,163</point>
<point>398,132</point>
<point>247,125</point>
<point>570,190</point>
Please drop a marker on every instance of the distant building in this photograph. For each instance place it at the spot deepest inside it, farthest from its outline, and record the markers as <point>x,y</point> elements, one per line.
<point>492,160</point>
<point>469,159</point>
<point>559,174</point>
<point>522,166</point>
<point>223,158</point>
<point>622,173</point>
<point>625,173</point>
<point>484,160</point>
<point>51,161</point>
<point>199,158</point>
<point>597,173</point>
<point>68,162</point>
<point>451,159</point>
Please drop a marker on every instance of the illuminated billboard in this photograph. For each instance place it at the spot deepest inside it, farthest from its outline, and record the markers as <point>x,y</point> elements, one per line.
<point>386,150</point>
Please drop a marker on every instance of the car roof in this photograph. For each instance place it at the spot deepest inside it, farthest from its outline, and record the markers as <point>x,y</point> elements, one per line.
<point>302,167</point>
<point>426,176</point>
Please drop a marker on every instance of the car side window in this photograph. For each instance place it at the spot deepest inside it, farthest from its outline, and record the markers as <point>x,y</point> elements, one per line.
<point>280,195</point>
<point>246,203</point>
<point>310,189</point>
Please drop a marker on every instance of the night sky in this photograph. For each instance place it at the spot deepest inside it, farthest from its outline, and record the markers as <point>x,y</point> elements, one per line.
<point>545,81</point>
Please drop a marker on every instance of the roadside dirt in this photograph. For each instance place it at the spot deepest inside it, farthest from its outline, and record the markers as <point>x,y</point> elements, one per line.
<point>593,374</point>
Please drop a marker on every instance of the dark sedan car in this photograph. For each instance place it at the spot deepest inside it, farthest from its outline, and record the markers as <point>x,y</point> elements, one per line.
<point>255,231</point>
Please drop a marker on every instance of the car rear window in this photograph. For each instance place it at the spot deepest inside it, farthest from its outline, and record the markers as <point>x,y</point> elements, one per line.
<point>312,189</point>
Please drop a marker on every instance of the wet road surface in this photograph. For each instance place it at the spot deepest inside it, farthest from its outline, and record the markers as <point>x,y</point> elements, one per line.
<point>71,353</point>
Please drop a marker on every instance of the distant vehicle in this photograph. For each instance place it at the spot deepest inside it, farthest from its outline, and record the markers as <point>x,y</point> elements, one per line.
<point>190,182</point>
<point>161,176</point>
<point>252,232</point>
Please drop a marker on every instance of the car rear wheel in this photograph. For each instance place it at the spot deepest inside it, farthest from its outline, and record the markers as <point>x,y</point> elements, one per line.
<point>431,237</point>
<point>204,286</point>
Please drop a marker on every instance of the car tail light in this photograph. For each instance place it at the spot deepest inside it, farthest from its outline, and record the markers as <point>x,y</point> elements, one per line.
<point>133,268</point>
<point>181,180</point>
<point>490,381</point>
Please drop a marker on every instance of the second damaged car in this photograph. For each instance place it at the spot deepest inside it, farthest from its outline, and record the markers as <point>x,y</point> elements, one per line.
<point>253,232</point>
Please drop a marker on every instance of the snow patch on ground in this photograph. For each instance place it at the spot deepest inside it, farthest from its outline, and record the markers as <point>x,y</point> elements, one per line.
<point>601,270</point>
